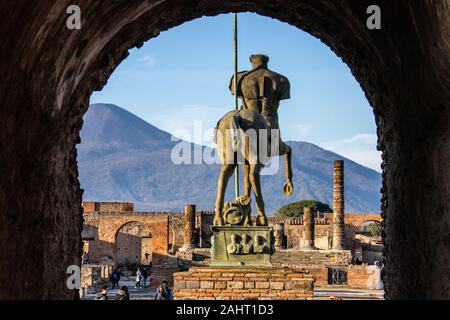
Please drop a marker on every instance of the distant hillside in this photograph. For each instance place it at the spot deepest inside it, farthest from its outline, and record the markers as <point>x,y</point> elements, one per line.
<point>123,158</point>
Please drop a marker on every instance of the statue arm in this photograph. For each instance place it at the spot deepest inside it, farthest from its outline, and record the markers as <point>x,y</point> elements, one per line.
<point>285,92</point>
<point>231,86</point>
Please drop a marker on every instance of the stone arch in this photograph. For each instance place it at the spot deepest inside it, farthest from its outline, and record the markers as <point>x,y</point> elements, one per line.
<point>133,245</point>
<point>361,227</point>
<point>50,72</point>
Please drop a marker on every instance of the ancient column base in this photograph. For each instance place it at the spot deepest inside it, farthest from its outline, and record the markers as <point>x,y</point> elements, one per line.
<point>244,283</point>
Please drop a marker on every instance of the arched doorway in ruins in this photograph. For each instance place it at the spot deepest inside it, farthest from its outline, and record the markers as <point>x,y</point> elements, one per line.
<point>133,246</point>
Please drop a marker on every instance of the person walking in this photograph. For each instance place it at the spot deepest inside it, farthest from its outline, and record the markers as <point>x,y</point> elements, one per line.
<point>144,278</point>
<point>115,279</point>
<point>119,274</point>
<point>138,278</point>
<point>85,258</point>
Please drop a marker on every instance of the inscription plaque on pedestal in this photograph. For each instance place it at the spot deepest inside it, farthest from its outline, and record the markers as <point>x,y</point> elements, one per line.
<point>242,246</point>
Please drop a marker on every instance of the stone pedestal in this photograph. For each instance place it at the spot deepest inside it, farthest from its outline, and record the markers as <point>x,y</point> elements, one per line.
<point>245,283</point>
<point>241,267</point>
<point>242,246</point>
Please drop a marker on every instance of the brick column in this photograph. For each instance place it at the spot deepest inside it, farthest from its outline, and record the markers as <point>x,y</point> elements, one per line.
<point>189,226</point>
<point>308,229</point>
<point>279,235</point>
<point>338,206</point>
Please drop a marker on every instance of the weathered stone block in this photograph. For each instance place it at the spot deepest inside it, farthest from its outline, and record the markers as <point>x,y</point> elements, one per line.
<point>276,285</point>
<point>282,288</point>
<point>179,284</point>
<point>193,284</point>
<point>235,285</point>
<point>220,285</point>
<point>262,285</point>
<point>206,284</point>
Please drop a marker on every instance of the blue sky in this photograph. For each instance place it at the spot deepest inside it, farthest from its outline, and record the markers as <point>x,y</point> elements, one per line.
<point>181,78</point>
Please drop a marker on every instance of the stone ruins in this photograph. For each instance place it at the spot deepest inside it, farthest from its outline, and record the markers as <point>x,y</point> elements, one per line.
<point>323,245</point>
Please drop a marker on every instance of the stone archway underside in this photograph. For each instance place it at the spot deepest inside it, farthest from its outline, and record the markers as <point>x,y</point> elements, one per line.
<point>48,73</point>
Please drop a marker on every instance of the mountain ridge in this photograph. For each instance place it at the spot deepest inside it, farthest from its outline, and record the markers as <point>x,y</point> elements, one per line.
<point>123,158</point>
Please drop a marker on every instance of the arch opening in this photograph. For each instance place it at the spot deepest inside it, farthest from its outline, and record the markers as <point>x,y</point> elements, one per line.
<point>133,246</point>
<point>49,87</point>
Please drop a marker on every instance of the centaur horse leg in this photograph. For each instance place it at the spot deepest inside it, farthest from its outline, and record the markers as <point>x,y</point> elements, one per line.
<point>246,173</point>
<point>255,181</point>
<point>225,174</point>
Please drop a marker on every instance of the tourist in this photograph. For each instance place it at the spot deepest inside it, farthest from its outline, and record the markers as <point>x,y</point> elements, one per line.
<point>382,275</point>
<point>85,258</point>
<point>115,279</point>
<point>103,295</point>
<point>165,285</point>
<point>122,294</point>
<point>138,278</point>
<point>144,278</point>
<point>161,294</point>
<point>119,274</point>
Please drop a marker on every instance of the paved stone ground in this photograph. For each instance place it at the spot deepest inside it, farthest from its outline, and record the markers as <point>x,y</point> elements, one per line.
<point>135,293</point>
<point>319,293</point>
<point>347,294</point>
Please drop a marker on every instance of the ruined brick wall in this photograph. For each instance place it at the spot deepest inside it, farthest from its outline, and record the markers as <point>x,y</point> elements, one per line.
<point>299,259</point>
<point>357,277</point>
<point>294,233</point>
<point>323,229</point>
<point>107,206</point>
<point>204,224</point>
<point>320,274</point>
<point>107,225</point>
<point>242,284</point>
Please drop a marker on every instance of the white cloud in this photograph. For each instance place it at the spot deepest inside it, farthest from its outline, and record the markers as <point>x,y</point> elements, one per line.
<point>148,61</point>
<point>361,148</point>
<point>303,130</point>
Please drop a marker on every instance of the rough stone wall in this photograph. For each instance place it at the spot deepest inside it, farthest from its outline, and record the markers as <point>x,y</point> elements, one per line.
<point>204,226</point>
<point>108,224</point>
<point>299,259</point>
<point>176,231</point>
<point>243,284</point>
<point>107,206</point>
<point>320,274</point>
<point>358,277</point>
<point>48,76</point>
<point>294,233</point>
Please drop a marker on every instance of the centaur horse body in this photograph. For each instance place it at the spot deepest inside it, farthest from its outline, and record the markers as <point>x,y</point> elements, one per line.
<point>252,129</point>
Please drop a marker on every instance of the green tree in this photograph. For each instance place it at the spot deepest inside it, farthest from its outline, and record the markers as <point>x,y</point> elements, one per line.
<point>295,209</point>
<point>373,229</point>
